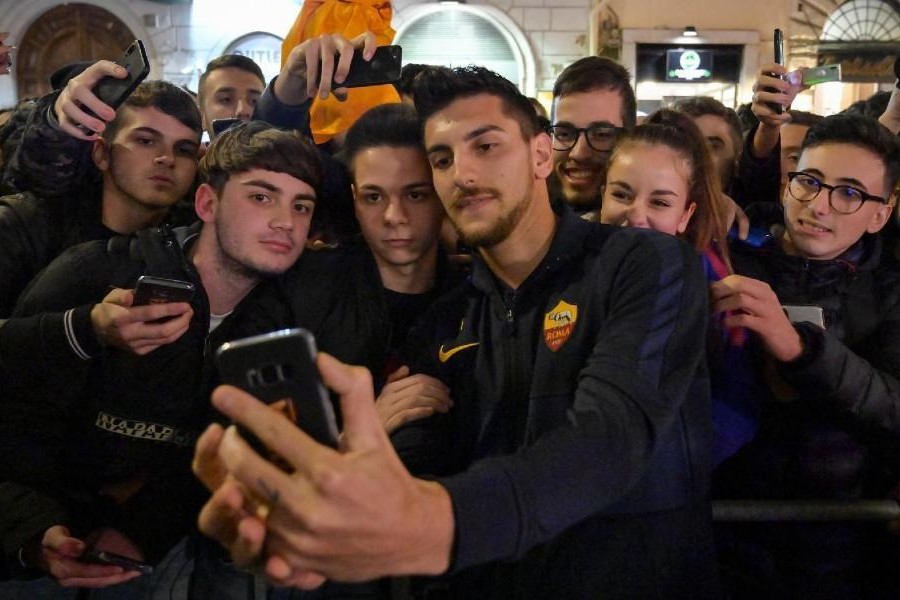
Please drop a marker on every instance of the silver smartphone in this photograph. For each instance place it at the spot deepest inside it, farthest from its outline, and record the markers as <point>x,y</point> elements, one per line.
<point>805,313</point>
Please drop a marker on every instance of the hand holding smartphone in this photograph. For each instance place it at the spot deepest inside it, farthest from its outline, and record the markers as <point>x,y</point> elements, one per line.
<point>279,369</point>
<point>159,290</point>
<point>384,67</point>
<point>113,91</point>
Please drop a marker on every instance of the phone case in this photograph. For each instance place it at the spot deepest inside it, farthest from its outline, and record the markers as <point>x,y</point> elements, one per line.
<point>779,58</point>
<point>805,313</point>
<point>114,91</point>
<point>159,290</point>
<point>219,126</point>
<point>383,68</point>
<point>279,369</point>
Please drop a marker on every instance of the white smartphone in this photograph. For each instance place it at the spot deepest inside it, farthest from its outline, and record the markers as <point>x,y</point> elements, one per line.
<point>805,313</point>
<point>820,74</point>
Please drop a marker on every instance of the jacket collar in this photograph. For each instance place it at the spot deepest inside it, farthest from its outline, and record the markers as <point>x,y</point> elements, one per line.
<point>572,233</point>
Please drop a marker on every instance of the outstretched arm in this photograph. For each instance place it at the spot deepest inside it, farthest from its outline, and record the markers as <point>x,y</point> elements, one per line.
<point>54,155</point>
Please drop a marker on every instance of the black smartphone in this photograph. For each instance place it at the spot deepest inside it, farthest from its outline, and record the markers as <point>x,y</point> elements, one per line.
<point>779,58</point>
<point>113,91</point>
<point>221,125</point>
<point>897,72</point>
<point>757,237</point>
<point>159,290</point>
<point>279,368</point>
<point>383,68</point>
<point>102,557</point>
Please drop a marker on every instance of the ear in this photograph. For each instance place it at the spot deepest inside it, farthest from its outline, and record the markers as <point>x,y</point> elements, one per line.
<point>881,216</point>
<point>100,154</point>
<point>686,217</point>
<point>542,155</point>
<point>206,202</point>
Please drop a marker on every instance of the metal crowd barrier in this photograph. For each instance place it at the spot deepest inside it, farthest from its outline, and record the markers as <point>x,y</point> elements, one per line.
<point>804,510</point>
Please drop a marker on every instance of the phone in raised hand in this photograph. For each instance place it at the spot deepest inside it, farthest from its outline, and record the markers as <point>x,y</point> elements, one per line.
<point>778,44</point>
<point>112,90</point>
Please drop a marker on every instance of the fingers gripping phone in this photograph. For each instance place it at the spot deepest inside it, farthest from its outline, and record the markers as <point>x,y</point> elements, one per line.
<point>384,67</point>
<point>279,369</point>
<point>114,91</point>
<point>779,58</point>
<point>159,290</point>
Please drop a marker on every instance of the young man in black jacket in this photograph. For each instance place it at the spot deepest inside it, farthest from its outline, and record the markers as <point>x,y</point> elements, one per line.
<point>577,449</point>
<point>826,319</point>
<point>146,158</point>
<point>102,401</point>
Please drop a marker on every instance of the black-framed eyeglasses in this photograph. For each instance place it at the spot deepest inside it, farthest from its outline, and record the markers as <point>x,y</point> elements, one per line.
<point>844,199</point>
<point>599,137</point>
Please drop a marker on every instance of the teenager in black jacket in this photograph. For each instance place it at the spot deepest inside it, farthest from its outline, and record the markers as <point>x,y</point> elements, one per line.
<point>829,428</point>
<point>579,389</point>
<point>110,400</point>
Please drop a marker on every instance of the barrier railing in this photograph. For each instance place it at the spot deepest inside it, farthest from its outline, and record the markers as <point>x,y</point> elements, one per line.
<point>805,510</point>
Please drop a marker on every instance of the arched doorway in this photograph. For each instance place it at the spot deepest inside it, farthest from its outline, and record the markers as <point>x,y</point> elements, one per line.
<point>66,34</point>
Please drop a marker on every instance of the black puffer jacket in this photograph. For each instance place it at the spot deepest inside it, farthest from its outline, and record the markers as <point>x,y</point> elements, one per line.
<point>80,418</point>
<point>834,433</point>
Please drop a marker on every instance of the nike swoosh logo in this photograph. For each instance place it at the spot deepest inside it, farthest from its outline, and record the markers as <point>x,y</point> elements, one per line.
<point>445,355</point>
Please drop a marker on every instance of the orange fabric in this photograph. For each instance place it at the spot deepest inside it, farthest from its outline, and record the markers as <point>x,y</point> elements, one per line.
<point>349,18</point>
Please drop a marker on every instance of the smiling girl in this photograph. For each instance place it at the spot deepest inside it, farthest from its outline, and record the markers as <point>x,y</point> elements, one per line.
<point>661,176</point>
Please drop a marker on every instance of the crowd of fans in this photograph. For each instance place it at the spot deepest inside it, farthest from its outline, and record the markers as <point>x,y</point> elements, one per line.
<point>576,332</point>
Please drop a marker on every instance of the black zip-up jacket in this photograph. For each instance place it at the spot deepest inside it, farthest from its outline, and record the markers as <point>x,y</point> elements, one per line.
<point>79,417</point>
<point>833,434</point>
<point>34,231</point>
<point>578,443</point>
<point>848,378</point>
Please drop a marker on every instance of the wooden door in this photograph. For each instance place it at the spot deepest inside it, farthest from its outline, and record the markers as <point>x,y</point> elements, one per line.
<point>65,34</point>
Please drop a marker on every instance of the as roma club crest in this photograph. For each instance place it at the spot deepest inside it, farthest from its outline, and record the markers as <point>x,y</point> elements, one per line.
<point>558,324</point>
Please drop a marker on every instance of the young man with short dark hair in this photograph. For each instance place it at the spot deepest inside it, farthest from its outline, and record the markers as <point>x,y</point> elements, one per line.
<point>229,89</point>
<point>103,400</point>
<point>147,160</point>
<point>722,129</point>
<point>575,458</point>
<point>825,318</point>
<point>592,101</point>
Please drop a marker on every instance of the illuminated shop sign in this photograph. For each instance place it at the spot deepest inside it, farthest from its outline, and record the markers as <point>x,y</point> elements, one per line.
<point>689,65</point>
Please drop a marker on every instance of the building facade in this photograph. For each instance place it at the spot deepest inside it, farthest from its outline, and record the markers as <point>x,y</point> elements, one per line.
<point>529,41</point>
